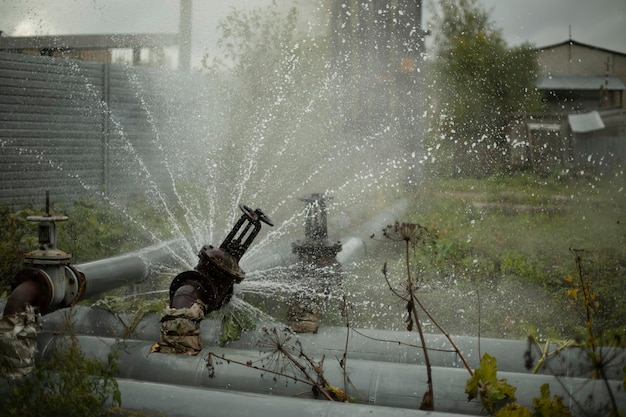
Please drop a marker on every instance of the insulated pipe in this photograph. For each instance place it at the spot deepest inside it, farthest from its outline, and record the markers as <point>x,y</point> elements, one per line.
<point>183,401</point>
<point>400,347</point>
<point>377,383</point>
<point>153,398</point>
<point>368,344</point>
<point>111,273</point>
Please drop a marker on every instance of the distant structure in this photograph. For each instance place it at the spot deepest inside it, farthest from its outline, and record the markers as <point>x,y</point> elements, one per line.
<point>579,77</point>
<point>96,48</point>
<point>316,248</point>
<point>99,48</point>
<point>583,128</point>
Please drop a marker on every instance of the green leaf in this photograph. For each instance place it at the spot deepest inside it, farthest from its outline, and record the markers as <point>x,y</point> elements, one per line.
<point>513,410</point>
<point>484,383</point>
<point>548,407</point>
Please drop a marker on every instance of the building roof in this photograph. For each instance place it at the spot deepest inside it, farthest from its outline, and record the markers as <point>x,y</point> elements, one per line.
<point>109,41</point>
<point>585,45</point>
<point>579,82</point>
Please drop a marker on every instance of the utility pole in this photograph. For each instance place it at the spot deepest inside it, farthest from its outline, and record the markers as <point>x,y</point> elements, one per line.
<point>605,101</point>
<point>184,35</point>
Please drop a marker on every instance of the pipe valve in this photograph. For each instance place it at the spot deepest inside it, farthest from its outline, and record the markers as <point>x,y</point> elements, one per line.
<point>218,268</point>
<point>194,294</point>
<point>48,282</point>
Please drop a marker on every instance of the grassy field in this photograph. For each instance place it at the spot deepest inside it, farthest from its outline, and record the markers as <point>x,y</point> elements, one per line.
<point>504,255</point>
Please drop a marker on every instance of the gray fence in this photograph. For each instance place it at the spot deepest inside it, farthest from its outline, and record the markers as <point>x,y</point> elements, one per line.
<point>81,128</point>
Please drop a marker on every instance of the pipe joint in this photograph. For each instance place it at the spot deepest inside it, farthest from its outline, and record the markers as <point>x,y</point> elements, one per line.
<point>47,288</point>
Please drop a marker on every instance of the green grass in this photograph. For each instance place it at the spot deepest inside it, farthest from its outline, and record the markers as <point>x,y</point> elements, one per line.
<point>502,253</point>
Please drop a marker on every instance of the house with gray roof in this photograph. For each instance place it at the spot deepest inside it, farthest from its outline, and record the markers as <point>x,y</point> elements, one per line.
<point>583,125</point>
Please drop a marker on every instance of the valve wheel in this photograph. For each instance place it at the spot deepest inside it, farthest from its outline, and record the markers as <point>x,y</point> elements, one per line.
<point>254,215</point>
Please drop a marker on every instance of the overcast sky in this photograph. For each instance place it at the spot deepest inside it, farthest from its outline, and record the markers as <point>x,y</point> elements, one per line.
<point>542,22</point>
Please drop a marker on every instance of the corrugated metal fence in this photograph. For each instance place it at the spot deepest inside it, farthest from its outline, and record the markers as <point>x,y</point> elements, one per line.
<point>81,128</point>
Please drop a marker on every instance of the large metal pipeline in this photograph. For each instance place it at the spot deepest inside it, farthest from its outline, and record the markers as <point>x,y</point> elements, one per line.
<point>184,401</point>
<point>368,362</point>
<point>375,383</point>
<point>50,282</point>
<point>369,344</point>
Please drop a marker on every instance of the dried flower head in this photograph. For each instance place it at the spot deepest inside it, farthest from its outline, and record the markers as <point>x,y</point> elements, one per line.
<point>412,234</point>
<point>281,351</point>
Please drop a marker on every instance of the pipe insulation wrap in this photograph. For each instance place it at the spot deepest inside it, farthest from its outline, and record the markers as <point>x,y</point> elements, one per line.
<point>111,273</point>
<point>377,383</point>
<point>183,401</point>
<point>367,344</point>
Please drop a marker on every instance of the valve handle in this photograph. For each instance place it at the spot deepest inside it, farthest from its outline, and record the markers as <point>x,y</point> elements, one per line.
<point>254,215</point>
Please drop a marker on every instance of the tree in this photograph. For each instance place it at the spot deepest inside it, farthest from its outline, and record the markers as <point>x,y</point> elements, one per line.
<point>477,84</point>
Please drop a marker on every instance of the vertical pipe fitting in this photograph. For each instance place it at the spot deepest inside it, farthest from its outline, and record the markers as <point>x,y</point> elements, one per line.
<point>46,284</point>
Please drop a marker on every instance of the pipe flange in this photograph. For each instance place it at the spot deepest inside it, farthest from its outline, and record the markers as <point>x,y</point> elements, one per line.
<point>204,290</point>
<point>47,257</point>
<point>75,286</point>
<point>43,287</point>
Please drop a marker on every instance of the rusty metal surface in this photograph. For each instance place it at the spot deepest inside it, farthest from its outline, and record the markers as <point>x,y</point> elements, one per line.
<point>218,268</point>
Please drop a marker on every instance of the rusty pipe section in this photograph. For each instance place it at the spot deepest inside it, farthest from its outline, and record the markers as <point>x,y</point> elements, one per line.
<point>48,282</point>
<point>194,294</point>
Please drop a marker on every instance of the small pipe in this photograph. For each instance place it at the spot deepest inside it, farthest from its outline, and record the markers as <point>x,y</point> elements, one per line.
<point>108,274</point>
<point>186,295</point>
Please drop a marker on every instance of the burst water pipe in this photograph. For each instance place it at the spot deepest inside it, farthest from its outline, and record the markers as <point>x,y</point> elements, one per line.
<point>196,293</point>
<point>218,268</point>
